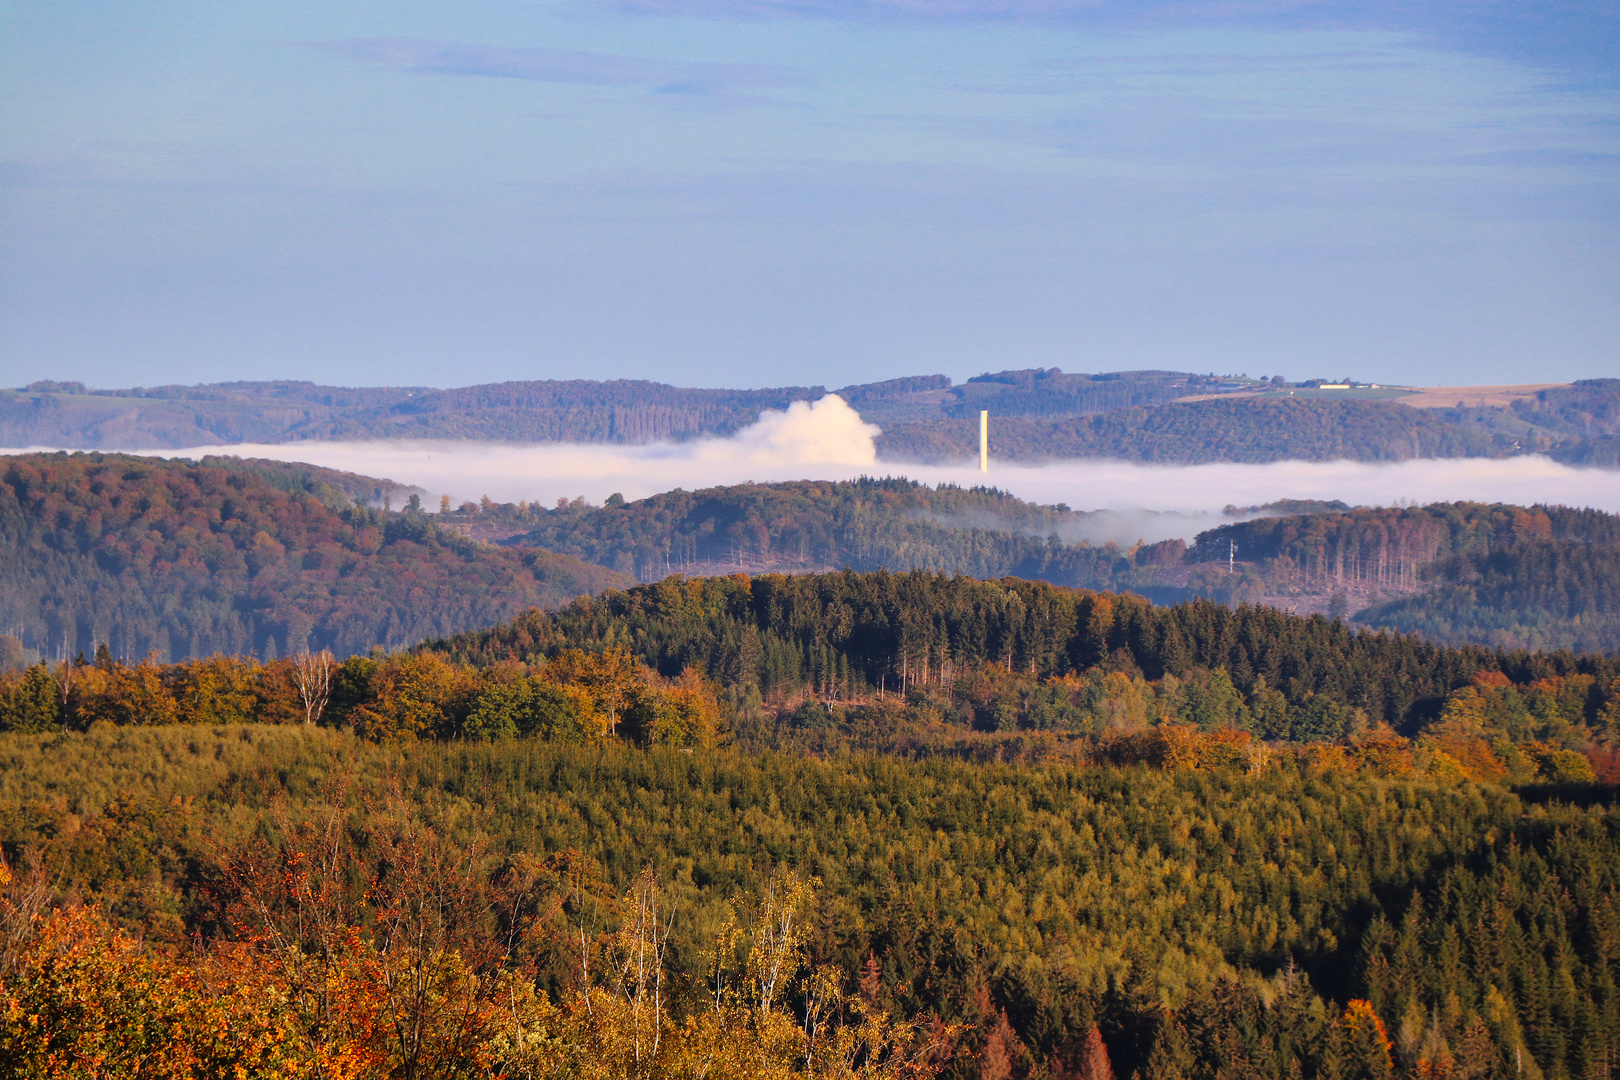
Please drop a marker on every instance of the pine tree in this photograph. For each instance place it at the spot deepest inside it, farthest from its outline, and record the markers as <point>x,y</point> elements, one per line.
<point>1172,1057</point>
<point>30,706</point>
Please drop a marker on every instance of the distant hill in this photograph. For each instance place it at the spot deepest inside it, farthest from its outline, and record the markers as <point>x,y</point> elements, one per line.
<point>238,556</point>
<point>1042,392</point>
<point>1038,413</point>
<point>1505,576</point>
<point>867,524</point>
<point>68,414</point>
<point>333,487</point>
<point>173,417</point>
<point>850,632</point>
<point>189,559</point>
<point>1578,424</point>
<point>1242,429</point>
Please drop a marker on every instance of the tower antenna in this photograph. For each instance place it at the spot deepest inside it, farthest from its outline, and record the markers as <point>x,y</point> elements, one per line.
<point>984,440</point>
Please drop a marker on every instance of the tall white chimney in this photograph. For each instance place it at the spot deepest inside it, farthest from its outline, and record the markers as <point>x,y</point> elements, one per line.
<point>984,440</point>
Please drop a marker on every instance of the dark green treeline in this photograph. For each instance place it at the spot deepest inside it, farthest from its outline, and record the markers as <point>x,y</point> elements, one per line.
<point>848,633</point>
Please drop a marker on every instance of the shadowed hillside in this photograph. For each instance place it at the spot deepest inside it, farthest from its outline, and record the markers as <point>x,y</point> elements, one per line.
<point>1515,577</point>
<point>188,559</point>
<point>1538,577</point>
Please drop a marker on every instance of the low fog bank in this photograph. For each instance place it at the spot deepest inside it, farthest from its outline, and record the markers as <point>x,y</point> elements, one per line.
<point>1096,527</point>
<point>827,440</point>
<point>1159,502</point>
<point>824,439</point>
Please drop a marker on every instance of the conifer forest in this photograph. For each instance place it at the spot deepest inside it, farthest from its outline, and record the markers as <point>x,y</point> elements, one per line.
<point>847,824</point>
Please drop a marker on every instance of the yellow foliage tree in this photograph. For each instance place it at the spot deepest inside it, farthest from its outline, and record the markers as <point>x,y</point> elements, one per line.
<point>416,695</point>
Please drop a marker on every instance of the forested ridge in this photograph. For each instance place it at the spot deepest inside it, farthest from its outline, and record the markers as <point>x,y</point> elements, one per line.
<point>624,410</point>
<point>866,524</point>
<point>845,634</point>
<point>879,658</point>
<point>333,487</point>
<point>1515,577</point>
<point>1520,577</point>
<point>1039,414</point>
<point>226,555</point>
<point>1579,423</point>
<point>193,558</point>
<point>1247,429</point>
<point>1029,392</point>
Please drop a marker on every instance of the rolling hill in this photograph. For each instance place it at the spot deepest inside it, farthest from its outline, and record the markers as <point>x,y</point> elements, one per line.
<point>187,559</point>
<point>242,556</point>
<point>1247,429</point>
<point>1164,416</point>
<point>1512,577</point>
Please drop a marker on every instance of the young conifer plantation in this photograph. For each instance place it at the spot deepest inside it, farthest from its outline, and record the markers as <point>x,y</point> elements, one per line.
<point>848,824</point>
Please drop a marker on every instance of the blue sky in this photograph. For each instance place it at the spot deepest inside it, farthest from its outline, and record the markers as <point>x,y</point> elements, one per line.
<point>765,192</point>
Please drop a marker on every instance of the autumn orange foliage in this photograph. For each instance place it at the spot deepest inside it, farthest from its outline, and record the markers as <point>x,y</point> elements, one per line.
<point>391,952</point>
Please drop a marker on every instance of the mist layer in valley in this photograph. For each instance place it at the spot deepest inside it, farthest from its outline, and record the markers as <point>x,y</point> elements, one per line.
<point>828,440</point>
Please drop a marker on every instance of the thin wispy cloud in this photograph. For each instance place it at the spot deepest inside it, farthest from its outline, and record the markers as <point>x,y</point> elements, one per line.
<point>1117,12</point>
<point>958,185</point>
<point>558,66</point>
<point>1548,33</point>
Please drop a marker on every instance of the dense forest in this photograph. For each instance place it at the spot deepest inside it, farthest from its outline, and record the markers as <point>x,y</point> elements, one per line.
<point>1515,577</point>
<point>847,634</point>
<point>1537,577</point>
<point>1244,429</point>
<point>1040,413</point>
<point>623,410</point>
<point>882,661</point>
<point>235,556</point>
<point>829,825</point>
<point>189,559</point>
<point>866,524</point>
<point>333,487</point>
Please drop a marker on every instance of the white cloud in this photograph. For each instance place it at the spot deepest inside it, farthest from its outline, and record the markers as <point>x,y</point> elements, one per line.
<point>827,440</point>
<point>823,439</point>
